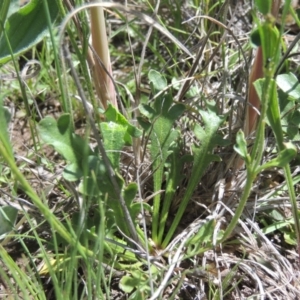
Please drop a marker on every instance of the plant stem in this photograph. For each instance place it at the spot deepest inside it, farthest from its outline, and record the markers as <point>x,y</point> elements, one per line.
<point>289,182</point>
<point>250,177</point>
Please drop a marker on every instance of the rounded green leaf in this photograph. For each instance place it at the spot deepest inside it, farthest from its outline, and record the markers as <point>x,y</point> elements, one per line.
<point>128,283</point>
<point>158,81</point>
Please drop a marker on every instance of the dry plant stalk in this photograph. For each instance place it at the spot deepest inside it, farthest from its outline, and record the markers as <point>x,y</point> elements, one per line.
<point>103,82</point>
<point>253,108</point>
<point>99,59</point>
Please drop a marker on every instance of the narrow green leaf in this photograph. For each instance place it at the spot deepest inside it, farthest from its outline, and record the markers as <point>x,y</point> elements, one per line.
<point>162,135</point>
<point>285,156</point>
<point>113,115</point>
<point>241,146</point>
<point>270,41</point>
<point>273,114</point>
<point>203,156</point>
<point>113,141</point>
<point>277,226</point>
<point>201,238</point>
<point>4,137</point>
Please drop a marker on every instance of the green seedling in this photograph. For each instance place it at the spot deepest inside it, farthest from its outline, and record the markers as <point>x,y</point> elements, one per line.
<point>161,133</point>
<point>164,147</point>
<point>173,179</point>
<point>202,240</point>
<point>266,92</point>
<point>86,165</point>
<point>202,157</point>
<point>269,40</point>
<point>137,283</point>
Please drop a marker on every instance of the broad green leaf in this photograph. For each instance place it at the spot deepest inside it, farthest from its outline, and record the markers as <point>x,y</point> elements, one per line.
<point>26,27</point>
<point>273,111</point>
<point>113,141</point>
<point>7,115</point>
<point>8,216</point>
<point>115,116</point>
<point>72,172</point>
<point>259,87</point>
<point>4,8</point>
<point>157,80</point>
<point>289,84</point>
<point>97,181</point>
<point>135,209</point>
<point>173,178</point>
<point>91,224</point>
<point>162,118</point>
<point>290,238</point>
<point>263,6</point>
<point>139,281</point>
<point>60,135</point>
<point>290,116</point>
<point>147,111</point>
<point>145,124</point>
<point>127,284</point>
<point>14,6</point>
<point>129,193</point>
<point>275,122</point>
<point>255,38</point>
